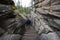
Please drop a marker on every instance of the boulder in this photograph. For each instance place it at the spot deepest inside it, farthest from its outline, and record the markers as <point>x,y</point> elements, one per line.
<point>49,36</point>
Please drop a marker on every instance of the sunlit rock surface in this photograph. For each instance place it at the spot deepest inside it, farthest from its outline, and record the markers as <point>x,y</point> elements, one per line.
<point>46,19</point>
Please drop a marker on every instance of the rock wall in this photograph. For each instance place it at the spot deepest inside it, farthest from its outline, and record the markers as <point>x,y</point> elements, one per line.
<point>45,17</point>
<point>7,17</point>
<point>11,27</point>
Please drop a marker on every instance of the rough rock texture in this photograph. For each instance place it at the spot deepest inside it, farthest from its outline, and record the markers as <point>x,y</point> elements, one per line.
<point>46,18</point>
<point>10,25</point>
<point>7,2</point>
<point>11,37</point>
<point>49,36</point>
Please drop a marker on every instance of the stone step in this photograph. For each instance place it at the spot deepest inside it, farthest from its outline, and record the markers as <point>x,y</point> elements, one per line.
<point>29,38</point>
<point>30,30</point>
<point>30,34</point>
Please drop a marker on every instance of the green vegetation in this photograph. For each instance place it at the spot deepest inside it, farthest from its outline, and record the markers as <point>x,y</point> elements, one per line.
<point>22,9</point>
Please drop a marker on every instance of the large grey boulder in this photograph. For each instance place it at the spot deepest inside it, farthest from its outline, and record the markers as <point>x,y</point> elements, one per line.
<point>49,36</point>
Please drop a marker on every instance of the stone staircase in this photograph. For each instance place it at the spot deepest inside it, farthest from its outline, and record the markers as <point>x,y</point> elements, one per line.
<point>30,34</point>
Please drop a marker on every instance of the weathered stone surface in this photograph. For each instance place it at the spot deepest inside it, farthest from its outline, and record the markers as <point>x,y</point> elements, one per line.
<point>46,19</point>
<point>7,2</point>
<point>49,36</point>
<point>7,17</point>
<point>10,37</point>
<point>6,12</point>
<point>5,8</point>
<point>8,21</point>
<point>49,14</point>
<point>2,31</point>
